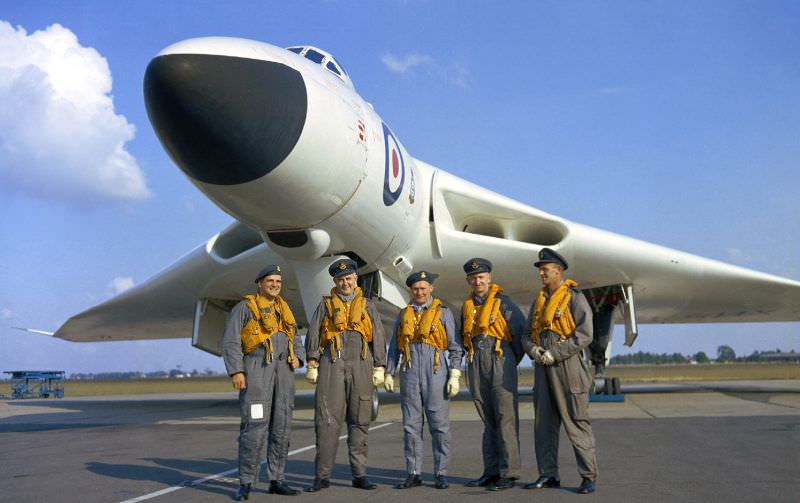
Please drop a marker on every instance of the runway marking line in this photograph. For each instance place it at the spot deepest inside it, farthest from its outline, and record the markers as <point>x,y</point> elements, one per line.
<point>203,480</point>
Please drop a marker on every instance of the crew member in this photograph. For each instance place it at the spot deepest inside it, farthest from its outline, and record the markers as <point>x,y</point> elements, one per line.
<point>424,330</point>
<point>261,351</point>
<point>346,359</point>
<point>560,327</point>
<point>491,329</point>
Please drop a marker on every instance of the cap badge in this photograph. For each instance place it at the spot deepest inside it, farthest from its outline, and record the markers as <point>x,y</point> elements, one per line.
<point>423,275</point>
<point>475,265</point>
<point>342,266</point>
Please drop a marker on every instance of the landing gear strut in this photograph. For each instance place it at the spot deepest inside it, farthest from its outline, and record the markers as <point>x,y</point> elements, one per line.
<point>604,302</point>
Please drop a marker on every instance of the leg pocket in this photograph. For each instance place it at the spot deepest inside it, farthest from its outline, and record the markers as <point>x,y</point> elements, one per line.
<point>364,415</point>
<point>578,375</point>
<point>579,406</point>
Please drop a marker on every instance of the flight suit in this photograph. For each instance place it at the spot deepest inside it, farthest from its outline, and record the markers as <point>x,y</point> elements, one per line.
<point>344,392</point>
<point>423,393</point>
<point>267,404</point>
<point>561,393</point>
<point>493,385</point>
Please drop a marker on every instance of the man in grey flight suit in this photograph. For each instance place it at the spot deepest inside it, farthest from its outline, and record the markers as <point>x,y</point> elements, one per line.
<point>345,365</point>
<point>492,373</point>
<point>562,381</point>
<point>265,380</point>
<point>426,386</point>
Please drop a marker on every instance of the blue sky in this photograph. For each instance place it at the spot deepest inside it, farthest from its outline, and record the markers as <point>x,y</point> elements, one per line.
<point>672,122</point>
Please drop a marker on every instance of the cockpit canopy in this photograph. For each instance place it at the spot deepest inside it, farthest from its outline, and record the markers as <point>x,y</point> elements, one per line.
<point>322,58</point>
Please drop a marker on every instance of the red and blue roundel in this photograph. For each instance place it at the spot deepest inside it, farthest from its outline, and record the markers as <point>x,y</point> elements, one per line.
<point>395,173</point>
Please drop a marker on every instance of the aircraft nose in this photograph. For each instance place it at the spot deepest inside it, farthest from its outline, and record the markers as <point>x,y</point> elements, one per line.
<point>225,120</point>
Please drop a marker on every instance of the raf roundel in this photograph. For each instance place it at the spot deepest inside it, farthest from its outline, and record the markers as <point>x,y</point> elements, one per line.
<point>395,168</point>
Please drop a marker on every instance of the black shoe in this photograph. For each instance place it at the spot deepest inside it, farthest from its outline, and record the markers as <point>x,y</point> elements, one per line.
<point>412,480</point>
<point>440,482</point>
<point>363,483</point>
<point>502,484</point>
<point>280,487</point>
<point>318,484</point>
<point>586,487</point>
<point>484,481</point>
<point>243,493</point>
<point>544,481</point>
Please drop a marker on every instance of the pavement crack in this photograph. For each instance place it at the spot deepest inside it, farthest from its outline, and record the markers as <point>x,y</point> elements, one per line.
<point>642,408</point>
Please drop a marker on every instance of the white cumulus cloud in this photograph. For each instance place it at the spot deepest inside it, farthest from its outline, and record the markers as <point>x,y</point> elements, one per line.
<point>455,73</point>
<point>120,284</point>
<point>60,136</point>
<point>405,64</point>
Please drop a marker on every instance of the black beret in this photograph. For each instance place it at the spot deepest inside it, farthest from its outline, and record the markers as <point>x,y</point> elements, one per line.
<point>548,256</point>
<point>270,270</point>
<point>342,267</point>
<point>421,276</point>
<point>476,265</point>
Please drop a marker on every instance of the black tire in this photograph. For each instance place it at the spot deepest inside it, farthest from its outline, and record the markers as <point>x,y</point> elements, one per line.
<point>376,404</point>
<point>616,387</point>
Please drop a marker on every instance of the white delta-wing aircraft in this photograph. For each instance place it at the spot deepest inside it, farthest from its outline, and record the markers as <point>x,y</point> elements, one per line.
<point>280,140</point>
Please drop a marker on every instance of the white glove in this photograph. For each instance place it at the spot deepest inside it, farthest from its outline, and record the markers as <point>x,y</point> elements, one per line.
<point>547,358</point>
<point>378,374</point>
<point>388,383</point>
<point>453,383</point>
<point>538,351</point>
<point>312,372</point>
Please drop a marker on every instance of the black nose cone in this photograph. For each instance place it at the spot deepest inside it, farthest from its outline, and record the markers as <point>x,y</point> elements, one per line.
<point>225,120</point>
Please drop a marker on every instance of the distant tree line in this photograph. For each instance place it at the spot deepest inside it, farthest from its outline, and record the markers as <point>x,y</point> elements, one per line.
<point>724,354</point>
<point>159,374</point>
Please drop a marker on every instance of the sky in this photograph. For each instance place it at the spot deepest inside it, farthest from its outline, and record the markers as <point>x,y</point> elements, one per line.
<point>674,122</point>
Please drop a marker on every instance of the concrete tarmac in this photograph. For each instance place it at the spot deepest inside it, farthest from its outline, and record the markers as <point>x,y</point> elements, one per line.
<point>710,441</point>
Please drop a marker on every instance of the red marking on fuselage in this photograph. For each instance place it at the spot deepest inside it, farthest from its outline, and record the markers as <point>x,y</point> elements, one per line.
<point>395,164</point>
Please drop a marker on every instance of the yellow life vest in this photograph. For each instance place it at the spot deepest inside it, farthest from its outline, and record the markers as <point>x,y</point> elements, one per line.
<point>425,326</point>
<point>553,314</point>
<point>264,324</point>
<point>486,320</point>
<point>343,316</point>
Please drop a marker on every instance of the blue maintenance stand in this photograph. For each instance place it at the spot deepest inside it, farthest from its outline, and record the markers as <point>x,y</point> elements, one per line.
<point>606,398</point>
<point>35,384</point>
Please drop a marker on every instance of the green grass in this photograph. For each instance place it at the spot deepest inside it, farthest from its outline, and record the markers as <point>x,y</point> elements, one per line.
<point>627,373</point>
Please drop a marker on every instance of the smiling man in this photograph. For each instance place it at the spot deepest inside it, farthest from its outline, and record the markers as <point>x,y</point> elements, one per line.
<point>491,328</point>
<point>346,359</point>
<point>261,351</point>
<point>424,330</point>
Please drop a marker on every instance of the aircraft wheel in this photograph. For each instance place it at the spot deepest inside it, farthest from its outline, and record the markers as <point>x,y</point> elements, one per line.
<point>600,386</point>
<point>376,404</point>
<point>616,387</point>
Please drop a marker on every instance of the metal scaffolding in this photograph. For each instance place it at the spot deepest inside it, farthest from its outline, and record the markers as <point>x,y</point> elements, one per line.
<point>35,384</point>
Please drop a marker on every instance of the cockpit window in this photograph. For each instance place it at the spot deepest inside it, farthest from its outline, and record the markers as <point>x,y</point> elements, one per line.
<point>321,58</point>
<point>314,56</point>
<point>339,65</point>
<point>332,67</point>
